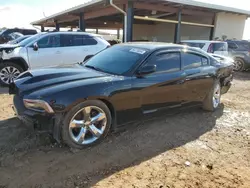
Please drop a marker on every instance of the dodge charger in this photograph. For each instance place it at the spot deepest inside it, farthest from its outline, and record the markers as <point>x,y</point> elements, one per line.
<point>121,85</point>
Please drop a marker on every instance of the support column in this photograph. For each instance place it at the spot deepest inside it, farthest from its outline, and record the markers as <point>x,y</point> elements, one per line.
<point>57,26</point>
<point>82,25</point>
<point>130,21</point>
<point>97,31</point>
<point>211,36</point>
<point>118,33</point>
<point>123,27</point>
<point>177,36</point>
<point>42,28</point>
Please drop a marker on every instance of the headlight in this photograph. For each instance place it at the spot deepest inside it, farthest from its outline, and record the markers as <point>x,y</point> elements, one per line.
<point>9,50</point>
<point>39,105</point>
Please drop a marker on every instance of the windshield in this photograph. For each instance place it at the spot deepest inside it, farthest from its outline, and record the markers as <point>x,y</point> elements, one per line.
<point>16,41</point>
<point>116,60</point>
<point>30,39</point>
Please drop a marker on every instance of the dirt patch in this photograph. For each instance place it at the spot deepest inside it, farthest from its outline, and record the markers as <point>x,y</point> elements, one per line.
<point>194,149</point>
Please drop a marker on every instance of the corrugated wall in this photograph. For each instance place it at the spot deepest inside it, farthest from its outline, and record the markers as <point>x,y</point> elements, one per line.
<point>164,32</point>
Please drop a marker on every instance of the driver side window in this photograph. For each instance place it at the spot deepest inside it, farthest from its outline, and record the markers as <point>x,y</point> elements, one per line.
<point>165,62</point>
<point>49,42</point>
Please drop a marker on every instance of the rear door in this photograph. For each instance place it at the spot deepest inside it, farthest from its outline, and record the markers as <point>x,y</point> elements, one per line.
<point>199,79</point>
<point>76,47</point>
<point>162,89</point>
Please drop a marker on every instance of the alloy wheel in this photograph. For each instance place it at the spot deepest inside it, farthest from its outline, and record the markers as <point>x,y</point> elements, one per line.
<point>87,125</point>
<point>9,74</point>
<point>216,96</point>
<point>238,65</point>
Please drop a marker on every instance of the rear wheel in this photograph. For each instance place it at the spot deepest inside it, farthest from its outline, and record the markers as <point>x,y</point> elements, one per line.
<point>239,64</point>
<point>9,72</point>
<point>212,100</point>
<point>86,124</point>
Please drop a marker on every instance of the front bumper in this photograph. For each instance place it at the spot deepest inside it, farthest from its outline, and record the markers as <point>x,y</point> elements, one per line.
<point>41,121</point>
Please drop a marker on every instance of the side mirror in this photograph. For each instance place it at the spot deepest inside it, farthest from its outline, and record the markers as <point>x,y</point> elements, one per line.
<point>146,70</point>
<point>35,46</point>
<point>87,57</point>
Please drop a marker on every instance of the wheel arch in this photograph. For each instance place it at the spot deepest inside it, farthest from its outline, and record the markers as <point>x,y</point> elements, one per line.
<point>104,99</point>
<point>112,110</point>
<point>59,115</point>
<point>20,61</point>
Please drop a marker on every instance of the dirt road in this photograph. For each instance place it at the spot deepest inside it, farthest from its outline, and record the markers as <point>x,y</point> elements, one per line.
<point>190,149</point>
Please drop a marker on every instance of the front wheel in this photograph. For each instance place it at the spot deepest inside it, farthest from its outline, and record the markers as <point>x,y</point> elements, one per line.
<point>86,124</point>
<point>212,100</point>
<point>9,72</point>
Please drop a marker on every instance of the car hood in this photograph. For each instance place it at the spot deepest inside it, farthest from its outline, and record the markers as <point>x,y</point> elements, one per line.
<point>8,46</point>
<point>43,78</point>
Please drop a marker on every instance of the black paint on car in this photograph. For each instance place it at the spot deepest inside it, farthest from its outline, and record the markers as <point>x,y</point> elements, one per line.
<point>120,85</point>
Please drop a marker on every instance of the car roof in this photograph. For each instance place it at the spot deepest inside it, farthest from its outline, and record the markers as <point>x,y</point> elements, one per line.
<point>203,41</point>
<point>151,45</point>
<point>238,41</point>
<point>72,33</point>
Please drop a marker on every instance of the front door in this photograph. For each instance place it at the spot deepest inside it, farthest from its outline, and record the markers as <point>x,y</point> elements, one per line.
<point>162,89</point>
<point>48,53</point>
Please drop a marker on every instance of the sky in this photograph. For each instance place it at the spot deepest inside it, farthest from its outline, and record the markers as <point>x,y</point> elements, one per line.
<point>20,13</point>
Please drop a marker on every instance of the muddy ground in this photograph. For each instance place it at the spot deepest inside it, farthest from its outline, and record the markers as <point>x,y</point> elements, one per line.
<point>189,149</point>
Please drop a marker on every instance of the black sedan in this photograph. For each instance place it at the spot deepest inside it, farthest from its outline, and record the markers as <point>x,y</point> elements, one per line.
<point>118,86</point>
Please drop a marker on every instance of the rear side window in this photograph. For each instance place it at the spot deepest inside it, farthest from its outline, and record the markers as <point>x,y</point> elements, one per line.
<point>196,45</point>
<point>217,47</point>
<point>49,42</point>
<point>192,60</point>
<point>77,40</point>
<point>67,40</point>
<point>166,62</point>
<point>204,61</point>
<point>87,40</point>
<point>244,46</point>
<point>232,46</point>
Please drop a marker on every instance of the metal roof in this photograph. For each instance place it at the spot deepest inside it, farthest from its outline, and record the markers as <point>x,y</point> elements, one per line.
<point>92,2</point>
<point>183,2</point>
<point>211,6</point>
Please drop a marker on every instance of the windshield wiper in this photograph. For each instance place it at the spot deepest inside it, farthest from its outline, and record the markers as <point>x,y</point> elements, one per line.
<point>92,67</point>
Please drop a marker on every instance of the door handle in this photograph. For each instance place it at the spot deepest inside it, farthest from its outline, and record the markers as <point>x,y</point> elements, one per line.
<point>58,52</point>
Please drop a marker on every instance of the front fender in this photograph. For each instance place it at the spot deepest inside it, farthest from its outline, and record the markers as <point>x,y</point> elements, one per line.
<point>64,96</point>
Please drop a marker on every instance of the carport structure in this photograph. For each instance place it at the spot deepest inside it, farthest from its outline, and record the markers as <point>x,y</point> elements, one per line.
<point>153,20</point>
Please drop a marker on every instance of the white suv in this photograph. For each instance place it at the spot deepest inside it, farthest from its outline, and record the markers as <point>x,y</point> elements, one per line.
<point>214,47</point>
<point>48,50</point>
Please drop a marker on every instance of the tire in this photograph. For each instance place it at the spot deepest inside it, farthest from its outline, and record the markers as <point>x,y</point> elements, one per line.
<point>209,103</point>
<point>69,131</point>
<point>5,70</point>
<point>239,65</point>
